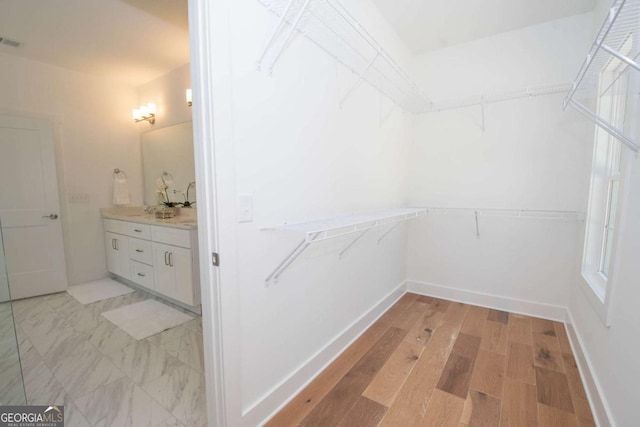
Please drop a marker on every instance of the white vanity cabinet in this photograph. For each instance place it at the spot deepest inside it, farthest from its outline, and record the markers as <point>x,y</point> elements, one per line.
<point>117,247</point>
<point>161,258</point>
<point>173,268</point>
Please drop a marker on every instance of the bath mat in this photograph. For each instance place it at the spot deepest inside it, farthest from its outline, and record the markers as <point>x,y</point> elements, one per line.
<point>88,293</point>
<point>146,318</point>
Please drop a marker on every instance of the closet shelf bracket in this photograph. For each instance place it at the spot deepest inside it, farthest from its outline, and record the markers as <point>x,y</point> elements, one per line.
<point>360,78</point>
<point>318,231</point>
<point>386,233</point>
<point>275,33</point>
<point>353,242</point>
<point>287,261</point>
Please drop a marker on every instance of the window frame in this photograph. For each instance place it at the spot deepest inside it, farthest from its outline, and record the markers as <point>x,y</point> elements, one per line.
<point>603,214</point>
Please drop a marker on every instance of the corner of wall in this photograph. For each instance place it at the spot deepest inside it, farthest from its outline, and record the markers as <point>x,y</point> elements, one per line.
<point>513,305</point>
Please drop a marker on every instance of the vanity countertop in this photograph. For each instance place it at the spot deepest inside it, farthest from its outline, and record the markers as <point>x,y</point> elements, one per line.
<point>187,221</point>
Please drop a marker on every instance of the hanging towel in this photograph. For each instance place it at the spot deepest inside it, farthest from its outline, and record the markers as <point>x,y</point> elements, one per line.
<point>120,191</point>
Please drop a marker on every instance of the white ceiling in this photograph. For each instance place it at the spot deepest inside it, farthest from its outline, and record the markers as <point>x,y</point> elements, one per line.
<point>133,41</point>
<point>426,25</point>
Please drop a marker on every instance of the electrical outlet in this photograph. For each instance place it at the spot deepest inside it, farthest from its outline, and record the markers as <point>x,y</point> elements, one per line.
<point>78,197</point>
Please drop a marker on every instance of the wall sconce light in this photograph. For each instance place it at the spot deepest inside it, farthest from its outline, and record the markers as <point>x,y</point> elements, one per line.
<point>189,98</point>
<point>145,112</point>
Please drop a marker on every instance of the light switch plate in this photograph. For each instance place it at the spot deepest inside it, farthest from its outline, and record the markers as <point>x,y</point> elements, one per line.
<point>245,207</point>
<point>78,197</point>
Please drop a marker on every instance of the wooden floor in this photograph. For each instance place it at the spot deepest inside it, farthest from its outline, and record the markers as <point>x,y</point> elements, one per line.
<point>430,362</point>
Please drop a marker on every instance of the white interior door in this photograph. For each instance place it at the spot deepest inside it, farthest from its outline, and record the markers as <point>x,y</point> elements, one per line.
<point>30,208</point>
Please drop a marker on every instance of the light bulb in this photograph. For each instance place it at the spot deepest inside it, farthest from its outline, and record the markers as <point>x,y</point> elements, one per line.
<point>189,95</point>
<point>151,108</point>
<point>136,114</point>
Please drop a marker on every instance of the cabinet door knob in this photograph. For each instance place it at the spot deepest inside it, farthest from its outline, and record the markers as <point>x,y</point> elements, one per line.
<point>141,274</point>
<point>139,251</point>
<point>137,230</point>
<point>51,216</point>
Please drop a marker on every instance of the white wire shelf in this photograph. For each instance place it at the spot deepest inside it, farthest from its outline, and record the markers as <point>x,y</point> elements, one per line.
<point>317,231</point>
<point>525,92</point>
<point>546,215</point>
<point>617,43</point>
<point>332,28</point>
<point>337,227</point>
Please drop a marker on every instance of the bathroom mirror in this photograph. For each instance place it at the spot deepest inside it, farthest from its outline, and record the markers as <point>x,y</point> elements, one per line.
<point>167,158</point>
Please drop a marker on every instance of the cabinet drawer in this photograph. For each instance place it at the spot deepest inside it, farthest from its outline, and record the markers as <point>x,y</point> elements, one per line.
<point>142,274</point>
<point>115,226</point>
<point>171,236</point>
<point>139,231</point>
<point>140,250</point>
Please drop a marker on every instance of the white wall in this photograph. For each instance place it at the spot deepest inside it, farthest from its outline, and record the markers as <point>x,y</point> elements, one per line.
<point>93,133</point>
<point>302,158</point>
<point>610,352</point>
<point>530,155</point>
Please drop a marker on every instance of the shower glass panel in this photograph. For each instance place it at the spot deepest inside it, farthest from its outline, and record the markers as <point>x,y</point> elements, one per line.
<point>11,381</point>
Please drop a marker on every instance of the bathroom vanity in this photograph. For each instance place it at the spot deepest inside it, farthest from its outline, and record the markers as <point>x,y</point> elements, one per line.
<point>160,255</point>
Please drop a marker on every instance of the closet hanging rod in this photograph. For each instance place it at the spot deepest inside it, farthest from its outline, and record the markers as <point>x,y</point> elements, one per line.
<point>489,98</point>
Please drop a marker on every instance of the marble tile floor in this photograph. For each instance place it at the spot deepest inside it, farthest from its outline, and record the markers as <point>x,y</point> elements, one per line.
<point>71,355</point>
<point>11,387</point>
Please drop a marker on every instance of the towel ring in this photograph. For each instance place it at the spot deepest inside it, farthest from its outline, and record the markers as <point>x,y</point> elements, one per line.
<point>116,171</point>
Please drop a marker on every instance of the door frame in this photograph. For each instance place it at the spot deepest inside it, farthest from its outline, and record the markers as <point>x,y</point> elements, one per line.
<point>209,35</point>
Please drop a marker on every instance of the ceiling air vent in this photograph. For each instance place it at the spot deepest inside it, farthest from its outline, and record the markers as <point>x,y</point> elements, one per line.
<point>9,42</point>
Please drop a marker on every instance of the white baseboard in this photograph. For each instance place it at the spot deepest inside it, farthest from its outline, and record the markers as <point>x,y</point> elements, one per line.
<point>597,401</point>
<point>513,305</point>
<point>261,411</point>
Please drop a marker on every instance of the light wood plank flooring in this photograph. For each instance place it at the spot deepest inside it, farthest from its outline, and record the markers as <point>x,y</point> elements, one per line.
<point>431,362</point>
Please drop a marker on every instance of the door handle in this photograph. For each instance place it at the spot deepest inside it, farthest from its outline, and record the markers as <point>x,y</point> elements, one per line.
<point>171,259</point>
<point>113,243</point>
<point>165,258</point>
<point>51,216</point>
<point>116,243</point>
<point>141,274</point>
<point>139,251</point>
